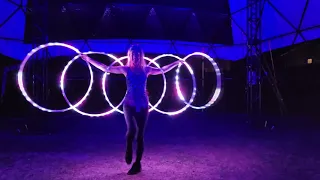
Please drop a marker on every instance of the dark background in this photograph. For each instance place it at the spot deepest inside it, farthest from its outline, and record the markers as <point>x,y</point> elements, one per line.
<point>197,21</point>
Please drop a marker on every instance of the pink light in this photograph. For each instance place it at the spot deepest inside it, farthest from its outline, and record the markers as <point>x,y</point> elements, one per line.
<point>21,82</point>
<point>119,60</point>
<point>152,107</point>
<point>116,60</point>
<point>217,91</point>
<point>172,113</point>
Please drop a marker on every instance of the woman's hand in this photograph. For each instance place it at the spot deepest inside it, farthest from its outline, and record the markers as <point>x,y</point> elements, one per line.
<point>95,63</point>
<point>164,69</point>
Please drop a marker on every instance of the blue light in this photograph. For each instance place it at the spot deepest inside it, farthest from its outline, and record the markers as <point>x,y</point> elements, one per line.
<point>293,12</point>
<point>273,25</point>
<point>311,17</point>
<point>312,34</point>
<point>278,42</point>
<point>298,40</point>
<point>239,27</point>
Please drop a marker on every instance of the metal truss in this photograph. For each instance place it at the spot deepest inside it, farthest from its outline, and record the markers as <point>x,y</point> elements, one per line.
<point>39,74</point>
<point>254,56</point>
<point>39,82</point>
<point>257,66</point>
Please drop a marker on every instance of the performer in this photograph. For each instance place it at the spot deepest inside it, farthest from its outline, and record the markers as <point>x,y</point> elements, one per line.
<point>135,105</point>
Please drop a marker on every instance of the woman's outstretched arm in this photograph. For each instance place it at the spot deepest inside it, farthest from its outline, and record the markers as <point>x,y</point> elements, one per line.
<point>164,69</point>
<point>103,67</point>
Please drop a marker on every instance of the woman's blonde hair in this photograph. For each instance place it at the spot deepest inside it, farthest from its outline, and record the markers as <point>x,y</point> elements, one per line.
<point>136,49</point>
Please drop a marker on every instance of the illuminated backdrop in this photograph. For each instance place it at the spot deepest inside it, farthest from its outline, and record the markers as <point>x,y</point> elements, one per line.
<point>282,25</point>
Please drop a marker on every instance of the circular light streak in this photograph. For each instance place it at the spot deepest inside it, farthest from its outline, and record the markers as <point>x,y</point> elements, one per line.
<point>116,60</point>
<point>21,82</point>
<point>171,113</point>
<point>75,106</point>
<point>152,107</point>
<point>217,91</point>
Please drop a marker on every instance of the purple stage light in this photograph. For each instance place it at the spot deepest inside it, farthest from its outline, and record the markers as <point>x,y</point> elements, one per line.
<point>152,107</point>
<point>217,91</point>
<point>116,60</point>
<point>171,113</point>
<point>21,82</point>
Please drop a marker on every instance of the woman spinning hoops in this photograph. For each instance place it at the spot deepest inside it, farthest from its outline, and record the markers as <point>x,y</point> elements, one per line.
<point>135,105</point>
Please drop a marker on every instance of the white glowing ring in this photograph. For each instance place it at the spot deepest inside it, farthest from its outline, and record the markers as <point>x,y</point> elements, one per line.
<point>21,83</point>
<point>217,91</point>
<point>116,60</point>
<point>104,79</point>
<point>171,113</point>
<point>152,107</point>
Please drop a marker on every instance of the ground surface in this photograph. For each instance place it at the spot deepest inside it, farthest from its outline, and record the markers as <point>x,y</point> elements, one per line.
<point>187,147</point>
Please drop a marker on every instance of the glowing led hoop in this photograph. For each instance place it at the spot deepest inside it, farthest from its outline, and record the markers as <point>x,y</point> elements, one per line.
<point>152,107</point>
<point>218,87</point>
<point>171,113</point>
<point>116,60</point>
<point>21,84</point>
<point>104,79</point>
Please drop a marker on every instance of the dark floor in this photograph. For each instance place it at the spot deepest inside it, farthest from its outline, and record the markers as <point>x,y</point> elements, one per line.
<point>186,147</point>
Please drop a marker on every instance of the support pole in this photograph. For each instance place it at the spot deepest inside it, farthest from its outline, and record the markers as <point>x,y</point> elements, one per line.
<point>254,56</point>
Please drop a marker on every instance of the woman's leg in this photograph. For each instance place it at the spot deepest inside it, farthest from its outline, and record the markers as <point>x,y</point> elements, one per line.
<point>141,118</point>
<point>131,131</point>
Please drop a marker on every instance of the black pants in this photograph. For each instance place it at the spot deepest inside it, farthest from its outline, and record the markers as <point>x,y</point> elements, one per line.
<point>136,123</point>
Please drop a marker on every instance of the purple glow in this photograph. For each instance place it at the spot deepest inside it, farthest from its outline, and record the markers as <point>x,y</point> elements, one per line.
<point>217,91</point>
<point>104,79</point>
<point>152,107</point>
<point>118,60</point>
<point>21,82</point>
<point>171,113</point>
